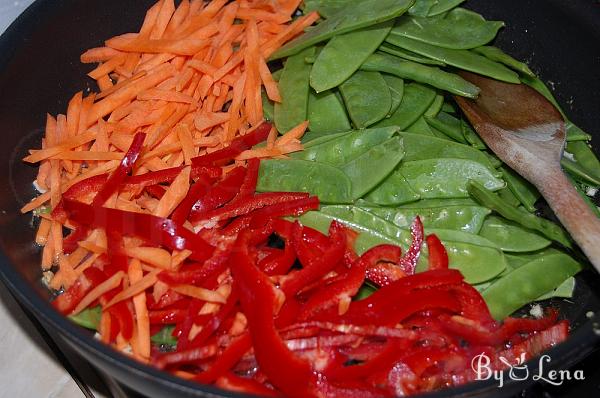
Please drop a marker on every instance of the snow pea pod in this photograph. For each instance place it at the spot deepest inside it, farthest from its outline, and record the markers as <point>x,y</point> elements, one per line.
<point>396,87</point>
<point>367,98</point>
<point>268,106</point>
<point>495,54</point>
<point>454,235</point>
<point>408,55</point>
<point>448,125</point>
<point>511,237</point>
<point>585,157</point>
<point>521,188</point>
<point>462,59</point>
<point>447,178</point>
<point>579,173</point>
<point>373,166</point>
<point>333,66</point>
<point>460,29</point>
<point>507,196</point>
<point>394,190</point>
<point>313,138</point>
<point>564,290</point>
<point>326,112</point>
<point>346,146</point>
<point>435,107</point>
<point>466,219</point>
<point>527,283</point>
<point>415,101</point>
<point>294,89</point>
<point>329,183</point>
<point>418,148</point>
<point>359,15</point>
<point>441,6</point>
<point>421,127</point>
<point>477,263</point>
<point>325,8</point>
<point>448,108</point>
<point>516,260</point>
<point>421,8</point>
<point>427,203</point>
<point>491,200</point>
<point>471,136</point>
<point>574,133</point>
<point>435,77</point>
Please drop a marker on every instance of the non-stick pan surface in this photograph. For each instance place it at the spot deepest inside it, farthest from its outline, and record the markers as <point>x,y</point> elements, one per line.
<point>40,70</point>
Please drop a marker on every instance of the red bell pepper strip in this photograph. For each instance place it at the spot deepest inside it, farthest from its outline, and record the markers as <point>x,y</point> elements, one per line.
<point>219,194</point>
<point>288,373</point>
<point>438,257</point>
<point>124,317</point>
<point>383,274</point>
<point>167,317</point>
<point>156,191</point>
<point>263,201</point>
<point>185,357</point>
<point>248,187</point>
<point>227,359</point>
<point>237,146</point>
<point>317,267</point>
<point>292,208</point>
<point>68,300</point>
<point>152,229</point>
<point>473,305</point>
<point>168,299</point>
<point>117,178</point>
<point>71,242</point>
<point>195,274</point>
<point>279,263</point>
<point>216,320</point>
<point>168,175</point>
<point>409,261</point>
<point>244,385</point>
<point>196,191</point>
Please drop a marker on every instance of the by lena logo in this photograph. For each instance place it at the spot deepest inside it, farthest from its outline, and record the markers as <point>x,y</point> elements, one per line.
<point>518,370</point>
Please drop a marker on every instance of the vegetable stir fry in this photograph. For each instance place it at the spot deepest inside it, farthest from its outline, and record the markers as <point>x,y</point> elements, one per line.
<point>280,198</point>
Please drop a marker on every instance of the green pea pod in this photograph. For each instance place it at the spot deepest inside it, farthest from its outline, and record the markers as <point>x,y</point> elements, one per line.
<point>462,59</point>
<point>408,55</point>
<point>574,133</point>
<point>396,87</point>
<point>346,146</point>
<point>421,7</point>
<point>454,235</point>
<point>325,8</point>
<point>579,173</point>
<point>359,15</point>
<point>466,219</point>
<point>564,290</point>
<point>367,98</point>
<point>365,291</point>
<point>164,337</point>
<point>506,195</point>
<point>415,101</point>
<point>333,66</point>
<point>448,108</point>
<point>435,107</point>
<point>477,263</point>
<point>495,54</point>
<point>585,157</point>
<point>428,203</point>
<point>471,136</point>
<point>294,89</point>
<point>516,260</point>
<point>433,76</point>
<point>421,128</point>
<point>494,160</point>
<point>394,190</point>
<point>527,283</point>
<point>492,201</point>
<point>448,125</point>
<point>511,237</point>
<point>526,193</point>
<point>89,318</point>
<point>418,148</point>
<point>442,6</point>
<point>313,138</point>
<point>460,29</point>
<point>326,112</point>
<point>329,183</point>
<point>447,178</point>
<point>370,168</point>
<point>268,106</point>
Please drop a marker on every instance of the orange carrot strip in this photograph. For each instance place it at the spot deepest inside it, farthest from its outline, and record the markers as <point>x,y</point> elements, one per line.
<point>201,19</point>
<point>294,134</point>
<point>164,16</point>
<point>150,19</point>
<point>202,66</point>
<point>106,286</point>
<point>155,256</point>
<point>164,95</point>
<point>88,155</point>
<point>178,18</point>
<point>39,155</point>
<point>291,30</point>
<point>267,78</point>
<point>187,143</point>
<point>180,47</point>
<point>261,15</point>
<point>141,311</point>
<point>135,288</point>
<point>200,293</point>
<point>99,54</point>
<point>41,237</point>
<point>174,194</point>
<point>121,84</point>
<point>207,120</point>
<point>107,67</point>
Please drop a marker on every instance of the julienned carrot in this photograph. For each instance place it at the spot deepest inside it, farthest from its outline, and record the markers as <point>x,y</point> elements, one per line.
<point>191,80</point>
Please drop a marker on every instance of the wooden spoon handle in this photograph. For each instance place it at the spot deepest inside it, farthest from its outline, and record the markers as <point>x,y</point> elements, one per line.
<point>572,211</point>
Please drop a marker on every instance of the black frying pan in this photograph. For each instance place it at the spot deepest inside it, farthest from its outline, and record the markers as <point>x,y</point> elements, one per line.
<point>40,70</point>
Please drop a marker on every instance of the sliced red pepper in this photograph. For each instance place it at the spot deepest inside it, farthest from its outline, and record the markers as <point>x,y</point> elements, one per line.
<point>124,317</point>
<point>279,263</point>
<point>156,191</point>
<point>71,242</point>
<point>317,267</point>
<point>195,274</point>
<point>168,299</point>
<point>292,208</point>
<point>244,385</point>
<point>409,261</point>
<point>154,230</point>
<point>216,320</point>
<point>237,146</point>
<point>438,257</point>
<point>185,357</point>
<point>196,191</point>
<point>383,274</point>
<point>264,201</point>
<point>293,376</point>
<point>473,305</point>
<point>117,178</point>
<point>248,188</point>
<point>168,175</point>
<point>167,317</point>
<point>68,300</point>
<point>227,359</point>
<point>219,194</point>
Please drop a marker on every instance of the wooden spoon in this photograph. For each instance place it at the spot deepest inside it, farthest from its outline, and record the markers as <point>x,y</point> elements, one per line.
<point>528,133</point>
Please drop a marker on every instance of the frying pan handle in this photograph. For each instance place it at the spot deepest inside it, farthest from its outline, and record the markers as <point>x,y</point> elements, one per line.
<point>572,211</point>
